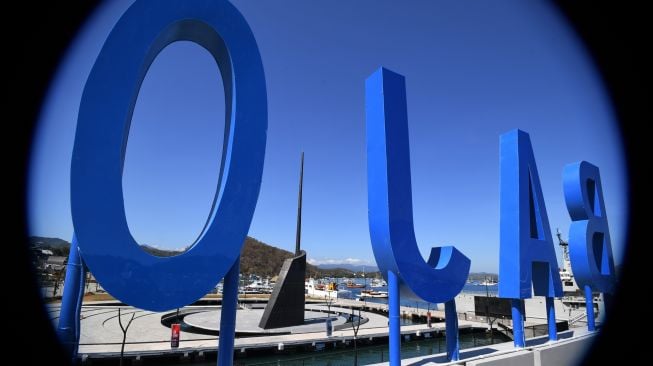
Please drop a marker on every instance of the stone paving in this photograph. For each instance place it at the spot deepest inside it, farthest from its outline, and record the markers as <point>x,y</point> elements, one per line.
<point>101,334</point>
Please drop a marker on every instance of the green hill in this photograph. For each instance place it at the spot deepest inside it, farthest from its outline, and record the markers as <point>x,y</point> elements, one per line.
<point>262,259</point>
<point>256,257</point>
<point>265,260</point>
<point>59,247</point>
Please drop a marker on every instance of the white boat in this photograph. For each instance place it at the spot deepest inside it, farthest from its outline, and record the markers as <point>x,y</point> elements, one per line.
<point>375,294</point>
<point>259,287</point>
<point>325,290</point>
<point>488,282</point>
<point>376,283</point>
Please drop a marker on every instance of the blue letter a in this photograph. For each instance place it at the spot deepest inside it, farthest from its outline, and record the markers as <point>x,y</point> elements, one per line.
<point>527,253</point>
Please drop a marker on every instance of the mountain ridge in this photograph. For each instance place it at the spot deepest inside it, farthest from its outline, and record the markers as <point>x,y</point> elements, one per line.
<point>256,257</point>
<point>350,266</point>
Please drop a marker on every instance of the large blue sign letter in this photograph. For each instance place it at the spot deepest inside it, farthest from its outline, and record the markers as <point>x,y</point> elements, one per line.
<point>105,243</point>
<point>527,253</point>
<point>589,237</point>
<point>391,212</point>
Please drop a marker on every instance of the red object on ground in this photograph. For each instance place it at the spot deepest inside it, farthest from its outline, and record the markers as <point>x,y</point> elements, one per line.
<point>174,337</point>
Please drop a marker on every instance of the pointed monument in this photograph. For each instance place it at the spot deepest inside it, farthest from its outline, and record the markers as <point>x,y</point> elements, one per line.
<point>286,305</point>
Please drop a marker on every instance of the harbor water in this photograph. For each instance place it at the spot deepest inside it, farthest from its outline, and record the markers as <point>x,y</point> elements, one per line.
<point>474,289</point>
<point>367,354</point>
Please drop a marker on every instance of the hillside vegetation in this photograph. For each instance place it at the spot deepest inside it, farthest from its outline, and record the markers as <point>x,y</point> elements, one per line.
<point>256,257</point>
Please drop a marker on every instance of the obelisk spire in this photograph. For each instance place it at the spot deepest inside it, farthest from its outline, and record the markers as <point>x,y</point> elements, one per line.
<point>299,208</point>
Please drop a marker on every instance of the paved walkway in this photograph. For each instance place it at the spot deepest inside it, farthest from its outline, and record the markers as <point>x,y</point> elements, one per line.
<point>101,334</point>
<point>497,349</point>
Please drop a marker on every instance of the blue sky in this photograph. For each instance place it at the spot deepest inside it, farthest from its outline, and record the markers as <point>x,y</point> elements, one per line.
<point>474,70</point>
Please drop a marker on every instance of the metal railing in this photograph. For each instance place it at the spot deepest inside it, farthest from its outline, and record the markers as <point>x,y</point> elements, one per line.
<point>577,318</point>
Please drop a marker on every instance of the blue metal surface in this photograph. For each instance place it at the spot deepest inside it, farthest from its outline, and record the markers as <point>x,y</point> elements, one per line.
<point>390,212</point>
<point>590,250</point>
<point>551,319</point>
<point>228,316</point>
<point>517,307</point>
<point>589,306</point>
<point>108,100</point>
<point>451,331</point>
<point>394,334</point>
<point>71,301</point>
<point>526,253</point>
<point>390,199</point>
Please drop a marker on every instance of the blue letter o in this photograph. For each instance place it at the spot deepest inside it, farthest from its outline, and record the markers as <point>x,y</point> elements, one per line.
<point>106,245</point>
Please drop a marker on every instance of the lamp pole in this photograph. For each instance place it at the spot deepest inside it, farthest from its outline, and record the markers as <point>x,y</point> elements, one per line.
<point>487,305</point>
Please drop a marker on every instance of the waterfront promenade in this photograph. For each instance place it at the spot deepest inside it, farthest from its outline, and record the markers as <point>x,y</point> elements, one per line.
<point>101,336</point>
<point>148,337</point>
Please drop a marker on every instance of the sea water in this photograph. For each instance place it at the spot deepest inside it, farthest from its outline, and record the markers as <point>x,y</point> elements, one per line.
<point>369,354</point>
<point>481,290</point>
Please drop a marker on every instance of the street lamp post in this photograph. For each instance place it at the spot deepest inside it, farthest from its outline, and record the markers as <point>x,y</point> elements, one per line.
<point>487,305</point>
<point>487,311</point>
